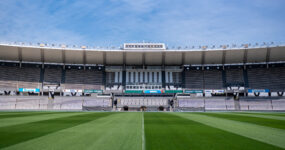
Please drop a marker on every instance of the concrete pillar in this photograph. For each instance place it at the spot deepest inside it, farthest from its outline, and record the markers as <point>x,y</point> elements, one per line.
<point>160,77</point>
<point>121,77</point>
<point>170,77</point>
<point>166,77</point>
<point>132,77</point>
<point>150,77</point>
<point>141,77</point>
<point>116,77</point>
<point>127,77</point>
<point>155,77</point>
<point>145,77</point>
<point>137,76</point>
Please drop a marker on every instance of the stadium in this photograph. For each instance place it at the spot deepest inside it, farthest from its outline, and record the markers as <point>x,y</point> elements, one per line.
<point>142,75</point>
<point>176,98</point>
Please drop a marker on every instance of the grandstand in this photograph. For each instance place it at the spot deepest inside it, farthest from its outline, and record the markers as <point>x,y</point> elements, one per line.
<point>142,77</point>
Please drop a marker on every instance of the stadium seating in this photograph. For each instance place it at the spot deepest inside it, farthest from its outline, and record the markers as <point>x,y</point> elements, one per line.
<point>15,77</point>
<point>213,79</point>
<point>194,79</point>
<point>29,77</point>
<point>234,76</point>
<point>263,78</point>
<point>207,79</point>
<point>8,77</point>
<point>83,79</point>
<point>52,75</point>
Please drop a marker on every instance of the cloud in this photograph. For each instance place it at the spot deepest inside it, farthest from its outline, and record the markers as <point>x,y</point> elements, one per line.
<point>113,22</point>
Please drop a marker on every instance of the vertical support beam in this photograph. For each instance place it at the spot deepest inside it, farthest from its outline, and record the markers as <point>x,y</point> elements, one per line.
<point>155,77</point>
<point>166,77</point>
<point>268,52</point>
<point>163,78</point>
<point>43,58</point>
<point>124,78</point>
<point>124,58</point>
<point>245,58</point>
<point>120,77</point>
<point>20,56</point>
<point>42,73</point>
<point>63,58</point>
<point>146,77</point>
<point>132,77</point>
<point>245,77</point>
<point>159,77</point>
<point>183,78</point>
<point>224,78</point>
<point>150,77</point>
<point>63,76</point>
<point>203,59</point>
<point>116,77</point>
<point>104,81</point>
<point>84,58</point>
<point>170,77</point>
<point>127,77</point>
<point>136,77</point>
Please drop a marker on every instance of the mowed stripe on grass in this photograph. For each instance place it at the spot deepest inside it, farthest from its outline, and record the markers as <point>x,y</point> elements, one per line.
<point>273,123</point>
<point>23,114</point>
<point>277,114</point>
<point>119,131</point>
<point>258,115</point>
<point>34,118</point>
<point>260,133</point>
<point>168,131</point>
<point>10,135</point>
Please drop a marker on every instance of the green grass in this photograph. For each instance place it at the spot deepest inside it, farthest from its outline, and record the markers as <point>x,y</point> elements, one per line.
<point>173,131</point>
<point>249,119</point>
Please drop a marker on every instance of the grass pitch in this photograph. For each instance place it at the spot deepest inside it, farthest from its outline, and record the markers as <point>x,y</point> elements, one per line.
<point>140,131</point>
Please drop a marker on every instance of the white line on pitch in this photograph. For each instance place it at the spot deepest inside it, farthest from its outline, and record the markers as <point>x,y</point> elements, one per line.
<point>143,136</point>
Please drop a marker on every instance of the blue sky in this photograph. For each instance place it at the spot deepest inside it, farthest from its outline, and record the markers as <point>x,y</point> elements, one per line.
<point>113,22</point>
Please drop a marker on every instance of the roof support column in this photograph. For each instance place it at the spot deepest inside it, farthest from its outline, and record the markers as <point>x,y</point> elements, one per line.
<point>124,59</point>
<point>224,59</point>
<point>203,59</point>
<point>143,59</point>
<point>43,58</point>
<point>63,58</point>
<point>268,52</point>
<point>20,56</point>
<point>245,58</point>
<point>84,59</point>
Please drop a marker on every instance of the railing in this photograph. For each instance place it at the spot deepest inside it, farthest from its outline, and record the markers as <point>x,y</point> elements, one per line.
<point>182,48</point>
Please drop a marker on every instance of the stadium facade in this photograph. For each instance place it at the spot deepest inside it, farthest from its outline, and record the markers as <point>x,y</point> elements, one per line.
<point>142,76</point>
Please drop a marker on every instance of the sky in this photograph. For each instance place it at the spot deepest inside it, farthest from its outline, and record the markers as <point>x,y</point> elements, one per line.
<point>114,22</point>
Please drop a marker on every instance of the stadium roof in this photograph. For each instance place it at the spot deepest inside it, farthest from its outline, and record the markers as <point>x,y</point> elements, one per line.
<point>83,55</point>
